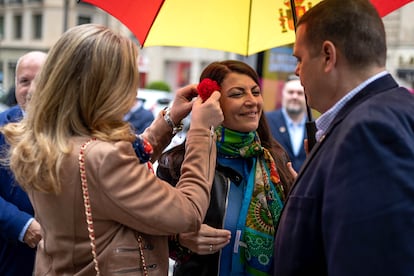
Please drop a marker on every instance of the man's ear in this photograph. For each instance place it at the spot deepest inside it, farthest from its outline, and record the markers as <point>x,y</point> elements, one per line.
<point>329,53</point>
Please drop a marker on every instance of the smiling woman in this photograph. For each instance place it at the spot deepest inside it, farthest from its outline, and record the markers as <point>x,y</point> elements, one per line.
<point>250,183</point>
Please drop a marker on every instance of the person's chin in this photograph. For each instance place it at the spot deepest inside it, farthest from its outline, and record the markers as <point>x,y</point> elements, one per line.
<point>247,127</point>
<point>296,110</point>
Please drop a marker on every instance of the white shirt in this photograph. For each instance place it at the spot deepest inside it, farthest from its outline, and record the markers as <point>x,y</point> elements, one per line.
<point>296,131</point>
<point>324,121</point>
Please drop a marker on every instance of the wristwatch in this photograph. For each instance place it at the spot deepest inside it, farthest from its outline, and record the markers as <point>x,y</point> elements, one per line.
<point>167,118</point>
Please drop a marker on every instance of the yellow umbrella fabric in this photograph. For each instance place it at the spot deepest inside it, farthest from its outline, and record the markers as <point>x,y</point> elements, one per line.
<point>239,26</point>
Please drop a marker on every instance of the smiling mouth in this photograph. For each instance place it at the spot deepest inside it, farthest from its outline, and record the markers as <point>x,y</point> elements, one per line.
<point>250,114</point>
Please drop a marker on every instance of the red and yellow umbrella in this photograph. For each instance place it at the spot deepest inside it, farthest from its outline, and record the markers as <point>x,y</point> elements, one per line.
<point>239,26</point>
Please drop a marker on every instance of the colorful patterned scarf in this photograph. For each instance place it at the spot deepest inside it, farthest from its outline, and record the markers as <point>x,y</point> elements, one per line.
<point>262,202</point>
<point>143,150</point>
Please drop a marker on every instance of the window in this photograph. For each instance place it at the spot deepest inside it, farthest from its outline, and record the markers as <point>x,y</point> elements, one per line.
<point>18,32</point>
<point>84,20</point>
<point>1,27</point>
<point>37,26</point>
<point>1,77</point>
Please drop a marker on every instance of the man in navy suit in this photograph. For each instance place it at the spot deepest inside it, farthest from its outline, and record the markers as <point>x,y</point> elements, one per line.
<point>287,124</point>
<point>351,209</point>
<point>20,232</point>
<point>139,117</point>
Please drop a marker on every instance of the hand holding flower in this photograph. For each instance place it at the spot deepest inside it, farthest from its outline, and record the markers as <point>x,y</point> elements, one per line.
<point>206,87</point>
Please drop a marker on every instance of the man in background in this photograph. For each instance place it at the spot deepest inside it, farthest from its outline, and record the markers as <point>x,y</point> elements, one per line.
<point>20,232</point>
<point>287,124</point>
<point>139,117</point>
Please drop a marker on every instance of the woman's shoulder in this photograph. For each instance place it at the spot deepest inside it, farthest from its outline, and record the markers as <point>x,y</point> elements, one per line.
<point>95,148</point>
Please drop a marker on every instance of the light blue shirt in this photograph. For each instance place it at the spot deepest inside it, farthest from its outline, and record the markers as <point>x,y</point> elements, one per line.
<point>21,235</point>
<point>325,120</point>
<point>296,131</point>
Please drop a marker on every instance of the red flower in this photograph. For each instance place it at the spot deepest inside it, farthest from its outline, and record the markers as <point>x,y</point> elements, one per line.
<point>147,147</point>
<point>206,87</point>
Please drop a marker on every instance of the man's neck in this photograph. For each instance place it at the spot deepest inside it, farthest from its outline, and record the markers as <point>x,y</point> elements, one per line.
<point>296,118</point>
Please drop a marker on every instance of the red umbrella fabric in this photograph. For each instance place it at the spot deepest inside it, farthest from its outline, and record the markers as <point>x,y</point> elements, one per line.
<point>137,15</point>
<point>385,7</point>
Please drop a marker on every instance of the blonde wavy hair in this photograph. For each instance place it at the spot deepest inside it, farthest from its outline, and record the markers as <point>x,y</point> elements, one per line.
<point>86,86</point>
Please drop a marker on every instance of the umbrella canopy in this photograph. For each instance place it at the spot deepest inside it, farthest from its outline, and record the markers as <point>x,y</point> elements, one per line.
<point>240,26</point>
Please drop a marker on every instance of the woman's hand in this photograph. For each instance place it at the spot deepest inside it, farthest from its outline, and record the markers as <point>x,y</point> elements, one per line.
<point>291,170</point>
<point>183,103</point>
<point>207,240</point>
<point>207,114</point>
<point>306,146</point>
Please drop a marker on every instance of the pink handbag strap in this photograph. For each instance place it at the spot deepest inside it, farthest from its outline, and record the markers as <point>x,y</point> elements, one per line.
<point>88,213</point>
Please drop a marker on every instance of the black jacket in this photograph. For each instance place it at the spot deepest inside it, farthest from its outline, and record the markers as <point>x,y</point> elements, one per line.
<point>189,263</point>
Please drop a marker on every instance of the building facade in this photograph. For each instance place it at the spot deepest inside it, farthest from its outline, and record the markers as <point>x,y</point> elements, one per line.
<point>27,25</point>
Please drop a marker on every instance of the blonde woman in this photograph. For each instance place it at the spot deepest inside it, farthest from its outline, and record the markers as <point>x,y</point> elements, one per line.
<point>74,149</point>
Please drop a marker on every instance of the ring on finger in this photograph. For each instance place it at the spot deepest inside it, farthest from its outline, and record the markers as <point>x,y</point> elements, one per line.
<point>211,247</point>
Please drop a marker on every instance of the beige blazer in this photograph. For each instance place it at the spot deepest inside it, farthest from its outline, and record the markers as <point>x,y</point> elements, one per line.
<point>125,197</point>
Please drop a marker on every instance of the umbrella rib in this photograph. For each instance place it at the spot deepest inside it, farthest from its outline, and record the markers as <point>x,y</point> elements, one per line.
<point>152,23</point>
<point>248,32</point>
<point>294,15</point>
<point>295,21</point>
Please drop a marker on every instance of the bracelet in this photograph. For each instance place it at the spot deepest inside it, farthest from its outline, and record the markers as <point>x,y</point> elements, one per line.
<point>167,118</point>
